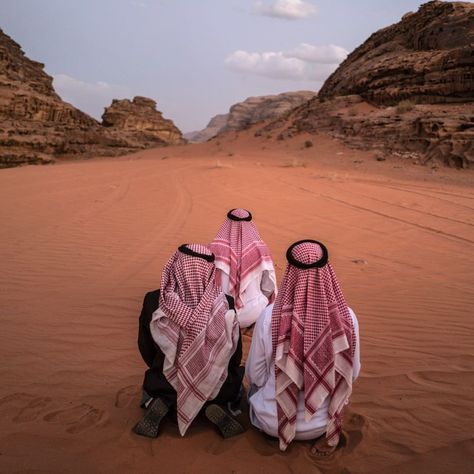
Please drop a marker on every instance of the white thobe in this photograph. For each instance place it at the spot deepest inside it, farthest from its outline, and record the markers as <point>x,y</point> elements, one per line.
<point>260,372</point>
<point>255,296</point>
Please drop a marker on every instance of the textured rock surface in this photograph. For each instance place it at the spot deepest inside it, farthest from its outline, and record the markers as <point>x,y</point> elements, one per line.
<point>426,57</point>
<point>36,125</point>
<point>140,119</point>
<point>215,125</point>
<point>427,133</point>
<point>252,110</point>
<point>269,107</point>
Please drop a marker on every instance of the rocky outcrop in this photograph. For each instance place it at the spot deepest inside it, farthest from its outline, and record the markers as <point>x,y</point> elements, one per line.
<point>36,126</point>
<point>215,125</point>
<point>409,89</point>
<point>267,107</point>
<point>427,57</point>
<point>425,133</point>
<point>139,120</point>
<point>252,110</point>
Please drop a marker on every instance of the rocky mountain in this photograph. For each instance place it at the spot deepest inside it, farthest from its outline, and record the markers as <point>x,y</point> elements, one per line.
<point>252,110</point>
<point>427,57</point>
<point>267,107</point>
<point>409,89</point>
<point>215,125</point>
<point>36,126</point>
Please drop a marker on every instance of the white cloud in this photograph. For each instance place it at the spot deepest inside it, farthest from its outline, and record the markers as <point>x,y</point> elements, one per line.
<point>90,97</point>
<point>270,64</point>
<point>287,9</point>
<point>306,62</point>
<point>330,54</point>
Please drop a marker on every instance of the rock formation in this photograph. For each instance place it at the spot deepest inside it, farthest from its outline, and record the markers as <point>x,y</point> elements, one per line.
<point>36,126</point>
<point>252,110</point>
<point>424,133</point>
<point>408,89</point>
<point>215,125</point>
<point>426,57</point>
<point>268,107</point>
<point>140,120</point>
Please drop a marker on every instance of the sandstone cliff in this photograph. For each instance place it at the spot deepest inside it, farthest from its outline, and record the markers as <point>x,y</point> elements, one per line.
<point>215,125</point>
<point>252,110</point>
<point>268,107</point>
<point>426,57</point>
<point>408,89</point>
<point>36,126</point>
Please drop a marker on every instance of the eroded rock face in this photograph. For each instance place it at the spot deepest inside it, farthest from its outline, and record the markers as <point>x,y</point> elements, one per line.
<point>268,107</point>
<point>36,126</point>
<point>252,110</point>
<point>434,133</point>
<point>215,125</point>
<point>139,117</point>
<point>426,57</point>
<point>33,118</point>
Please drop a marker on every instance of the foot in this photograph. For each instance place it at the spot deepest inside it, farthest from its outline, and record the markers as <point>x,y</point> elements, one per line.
<point>228,427</point>
<point>321,448</point>
<point>149,424</point>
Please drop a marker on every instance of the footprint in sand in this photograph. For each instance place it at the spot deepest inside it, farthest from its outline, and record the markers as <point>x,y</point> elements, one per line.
<point>78,418</point>
<point>33,410</point>
<point>127,395</point>
<point>24,406</point>
<point>353,428</point>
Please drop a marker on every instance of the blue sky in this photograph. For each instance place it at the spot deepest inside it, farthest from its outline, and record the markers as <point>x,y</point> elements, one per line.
<point>195,58</point>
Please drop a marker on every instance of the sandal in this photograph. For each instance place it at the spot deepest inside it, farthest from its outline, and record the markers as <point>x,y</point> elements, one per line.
<point>227,426</point>
<point>149,424</point>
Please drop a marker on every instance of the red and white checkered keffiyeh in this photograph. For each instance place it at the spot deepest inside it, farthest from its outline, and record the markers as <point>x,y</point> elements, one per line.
<point>313,344</point>
<point>196,331</point>
<point>240,253</point>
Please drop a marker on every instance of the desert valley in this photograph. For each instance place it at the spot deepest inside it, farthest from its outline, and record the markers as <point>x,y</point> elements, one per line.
<point>378,165</point>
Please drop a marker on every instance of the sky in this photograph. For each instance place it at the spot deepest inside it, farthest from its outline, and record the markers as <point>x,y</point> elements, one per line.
<point>194,57</point>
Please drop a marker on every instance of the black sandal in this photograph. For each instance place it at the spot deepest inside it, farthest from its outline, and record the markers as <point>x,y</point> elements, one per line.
<point>149,424</point>
<point>228,427</point>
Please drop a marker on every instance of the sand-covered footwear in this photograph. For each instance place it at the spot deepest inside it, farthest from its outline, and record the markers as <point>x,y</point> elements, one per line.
<point>228,427</point>
<point>321,448</point>
<point>149,424</point>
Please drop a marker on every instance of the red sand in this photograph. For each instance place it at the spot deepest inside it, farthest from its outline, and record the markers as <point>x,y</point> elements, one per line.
<point>83,241</point>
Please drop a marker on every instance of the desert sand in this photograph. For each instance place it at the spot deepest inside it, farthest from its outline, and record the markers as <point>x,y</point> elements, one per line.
<point>81,242</point>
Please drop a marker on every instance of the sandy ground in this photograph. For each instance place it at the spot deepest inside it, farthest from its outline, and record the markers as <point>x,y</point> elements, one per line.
<point>81,242</point>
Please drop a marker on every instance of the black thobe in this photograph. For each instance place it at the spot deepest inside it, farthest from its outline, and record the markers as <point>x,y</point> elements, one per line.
<point>155,383</point>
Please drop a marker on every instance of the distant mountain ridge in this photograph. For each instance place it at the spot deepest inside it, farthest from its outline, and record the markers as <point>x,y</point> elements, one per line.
<point>252,110</point>
<point>215,125</point>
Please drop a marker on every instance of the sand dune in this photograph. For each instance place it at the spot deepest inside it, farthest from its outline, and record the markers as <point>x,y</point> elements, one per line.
<point>82,241</point>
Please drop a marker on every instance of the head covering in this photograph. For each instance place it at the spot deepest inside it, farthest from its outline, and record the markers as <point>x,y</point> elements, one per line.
<point>313,341</point>
<point>240,252</point>
<point>194,329</point>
